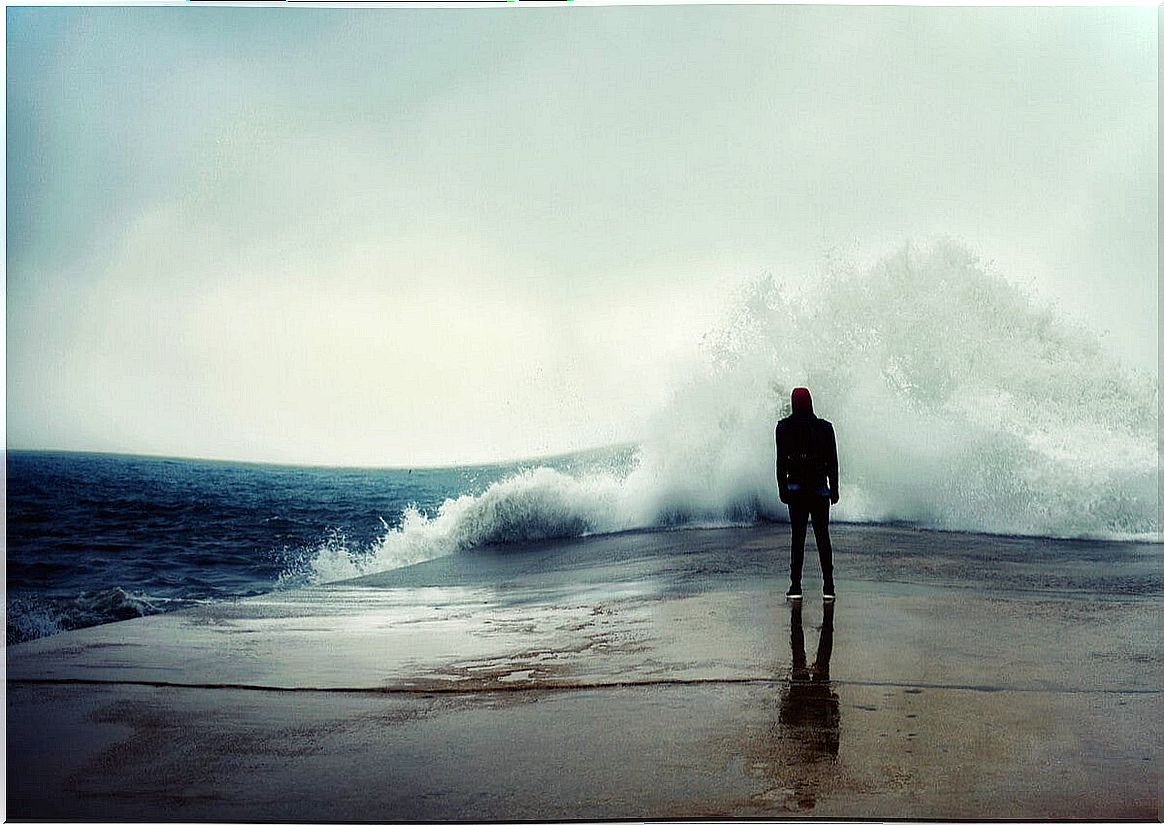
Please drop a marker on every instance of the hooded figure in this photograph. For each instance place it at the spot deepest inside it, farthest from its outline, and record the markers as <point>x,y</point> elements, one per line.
<point>806,476</point>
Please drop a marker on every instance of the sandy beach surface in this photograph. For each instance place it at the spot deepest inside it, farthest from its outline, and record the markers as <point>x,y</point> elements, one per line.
<point>641,675</point>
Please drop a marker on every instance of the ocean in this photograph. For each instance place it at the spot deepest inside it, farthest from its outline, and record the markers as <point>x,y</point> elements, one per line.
<point>97,538</point>
<point>960,404</point>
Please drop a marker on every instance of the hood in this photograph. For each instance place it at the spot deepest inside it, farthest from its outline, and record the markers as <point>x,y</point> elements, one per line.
<point>801,401</point>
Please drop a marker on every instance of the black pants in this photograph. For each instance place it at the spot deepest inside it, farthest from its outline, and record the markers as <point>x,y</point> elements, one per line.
<point>800,507</point>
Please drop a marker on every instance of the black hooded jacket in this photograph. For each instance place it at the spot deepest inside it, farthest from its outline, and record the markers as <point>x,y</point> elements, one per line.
<point>806,455</point>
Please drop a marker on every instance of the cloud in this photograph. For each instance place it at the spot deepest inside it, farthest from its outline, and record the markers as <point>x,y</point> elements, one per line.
<point>435,236</point>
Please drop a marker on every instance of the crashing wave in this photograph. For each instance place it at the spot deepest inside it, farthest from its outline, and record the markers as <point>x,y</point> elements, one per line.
<point>33,617</point>
<point>959,403</point>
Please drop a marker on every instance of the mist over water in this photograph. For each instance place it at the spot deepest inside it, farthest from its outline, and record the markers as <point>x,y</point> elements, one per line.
<point>959,401</point>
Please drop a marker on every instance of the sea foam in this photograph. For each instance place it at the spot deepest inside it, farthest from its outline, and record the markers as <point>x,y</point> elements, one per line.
<point>959,402</point>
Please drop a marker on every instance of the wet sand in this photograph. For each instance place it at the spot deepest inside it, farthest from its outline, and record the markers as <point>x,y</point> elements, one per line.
<point>634,676</point>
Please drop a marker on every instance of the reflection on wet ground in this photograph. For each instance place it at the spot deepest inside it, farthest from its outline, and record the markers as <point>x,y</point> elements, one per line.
<point>797,753</point>
<point>810,714</point>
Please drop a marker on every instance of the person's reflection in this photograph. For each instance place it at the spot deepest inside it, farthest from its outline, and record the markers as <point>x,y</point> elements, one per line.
<point>810,716</point>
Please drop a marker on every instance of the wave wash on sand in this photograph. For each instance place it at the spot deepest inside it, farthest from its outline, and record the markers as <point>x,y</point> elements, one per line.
<point>959,402</point>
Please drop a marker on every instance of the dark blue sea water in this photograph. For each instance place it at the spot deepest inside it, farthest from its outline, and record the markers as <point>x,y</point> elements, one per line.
<point>99,538</point>
<point>95,538</point>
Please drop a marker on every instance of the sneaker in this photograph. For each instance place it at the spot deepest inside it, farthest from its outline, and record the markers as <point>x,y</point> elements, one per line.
<point>794,592</point>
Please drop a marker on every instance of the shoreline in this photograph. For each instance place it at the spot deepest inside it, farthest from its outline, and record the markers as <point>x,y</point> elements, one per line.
<point>1148,544</point>
<point>659,674</point>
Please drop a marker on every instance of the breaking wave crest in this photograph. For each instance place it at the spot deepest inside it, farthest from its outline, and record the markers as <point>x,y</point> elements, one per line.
<point>959,403</point>
<point>31,617</point>
<point>538,503</point>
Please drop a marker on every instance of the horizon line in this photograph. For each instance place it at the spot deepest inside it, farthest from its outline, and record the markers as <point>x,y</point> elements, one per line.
<point>321,465</point>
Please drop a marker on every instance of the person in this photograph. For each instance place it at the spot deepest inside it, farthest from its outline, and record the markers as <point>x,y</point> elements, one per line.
<point>806,475</point>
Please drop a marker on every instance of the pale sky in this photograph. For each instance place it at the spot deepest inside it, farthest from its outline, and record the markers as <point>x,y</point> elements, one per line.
<point>385,236</point>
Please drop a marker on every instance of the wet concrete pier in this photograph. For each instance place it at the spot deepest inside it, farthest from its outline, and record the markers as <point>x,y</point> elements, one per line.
<point>633,676</point>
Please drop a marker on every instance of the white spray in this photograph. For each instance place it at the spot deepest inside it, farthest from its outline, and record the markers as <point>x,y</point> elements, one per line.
<point>959,403</point>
